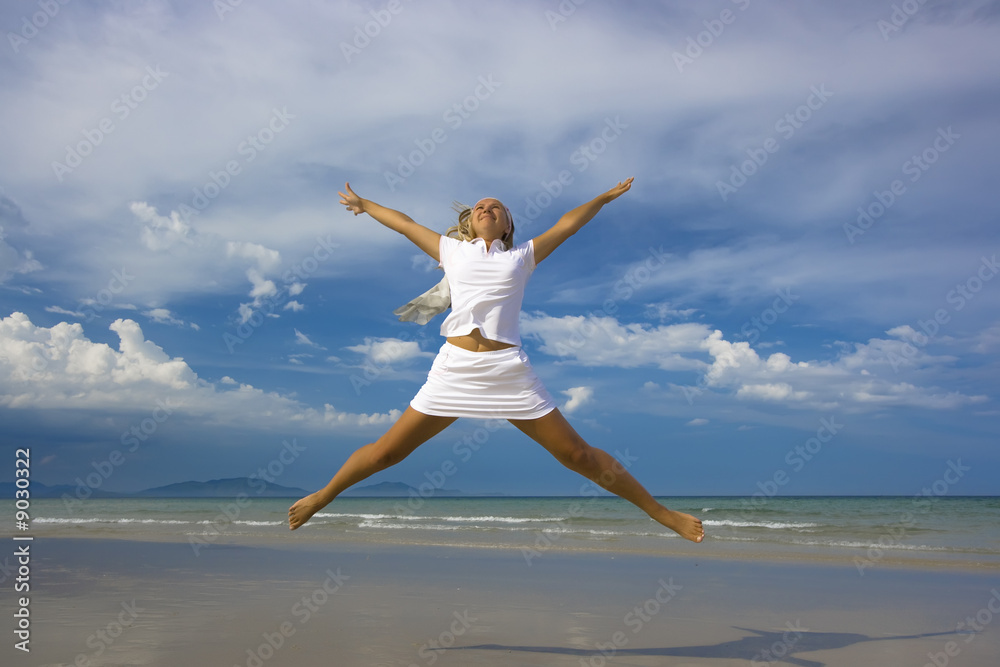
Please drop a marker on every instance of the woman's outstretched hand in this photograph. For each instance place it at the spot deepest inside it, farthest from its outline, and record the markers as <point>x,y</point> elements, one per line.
<point>352,201</point>
<point>617,191</point>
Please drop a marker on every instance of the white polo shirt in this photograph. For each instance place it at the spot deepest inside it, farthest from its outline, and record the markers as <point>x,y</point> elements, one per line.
<point>487,287</point>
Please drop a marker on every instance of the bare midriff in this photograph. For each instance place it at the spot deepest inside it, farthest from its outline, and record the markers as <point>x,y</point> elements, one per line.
<point>474,341</point>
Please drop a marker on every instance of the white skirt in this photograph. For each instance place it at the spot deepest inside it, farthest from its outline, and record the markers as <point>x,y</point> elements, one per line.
<point>483,385</point>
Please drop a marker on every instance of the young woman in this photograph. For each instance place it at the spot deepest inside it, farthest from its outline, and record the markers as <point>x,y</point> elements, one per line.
<point>481,370</point>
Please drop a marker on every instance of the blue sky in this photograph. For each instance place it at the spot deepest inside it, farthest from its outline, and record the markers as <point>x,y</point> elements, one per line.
<point>801,284</point>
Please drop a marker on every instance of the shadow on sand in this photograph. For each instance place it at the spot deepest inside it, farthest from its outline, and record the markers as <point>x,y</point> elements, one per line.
<point>763,646</point>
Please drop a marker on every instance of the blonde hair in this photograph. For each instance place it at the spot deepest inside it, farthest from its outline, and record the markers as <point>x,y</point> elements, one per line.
<point>463,230</point>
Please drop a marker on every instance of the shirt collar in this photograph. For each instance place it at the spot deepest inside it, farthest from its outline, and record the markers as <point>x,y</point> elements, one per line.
<point>497,246</point>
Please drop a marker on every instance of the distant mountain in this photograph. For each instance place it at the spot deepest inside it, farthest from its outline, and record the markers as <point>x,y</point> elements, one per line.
<point>39,490</point>
<point>229,488</point>
<point>382,489</point>
<point>216,488</point>
<point>222,488</point>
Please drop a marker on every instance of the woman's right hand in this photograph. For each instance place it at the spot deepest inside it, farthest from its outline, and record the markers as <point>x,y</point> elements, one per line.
<point>351,200</point>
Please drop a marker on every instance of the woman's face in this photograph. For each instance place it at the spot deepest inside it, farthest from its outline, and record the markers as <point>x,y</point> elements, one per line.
<point>489,220</point>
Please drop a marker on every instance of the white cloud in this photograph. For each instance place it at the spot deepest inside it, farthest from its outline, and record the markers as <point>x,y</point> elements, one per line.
<point>161,235</point>
<point>423,263</point>
<point>245,312</point>
<point>780,391</point>
<point>62,311</point>
<point>891,355</point>
<point>303,339</point>
<point>578,397</point>
<point>987,340</point>
<point>163,316</point>
<point>603,341</point>
<point>864,378</point>
<point>267,260</point>
<point>697,422</point>
<point>110,306</point>
<point>13,261</point>
<point>294,306</point>
<point>665,311</point>
<point>817,384</point>
<point>59,368</point>
<point>262,287</point>
<point>161,232</point>
<point>333,416</point>
<point>384,351</point>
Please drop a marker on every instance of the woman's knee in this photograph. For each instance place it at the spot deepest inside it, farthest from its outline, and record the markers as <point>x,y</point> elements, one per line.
<point>578,455</point>
<point>385,454</point>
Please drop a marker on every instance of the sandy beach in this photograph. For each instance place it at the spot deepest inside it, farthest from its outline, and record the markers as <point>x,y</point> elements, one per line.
<point>103,602</point>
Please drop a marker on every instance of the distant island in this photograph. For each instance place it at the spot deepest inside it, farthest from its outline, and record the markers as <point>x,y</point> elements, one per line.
<point>227,488</point>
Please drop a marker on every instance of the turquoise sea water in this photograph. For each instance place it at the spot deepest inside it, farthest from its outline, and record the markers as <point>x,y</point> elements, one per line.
<point>864,531</point>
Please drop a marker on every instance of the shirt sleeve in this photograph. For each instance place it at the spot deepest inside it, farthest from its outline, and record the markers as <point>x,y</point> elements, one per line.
<point>527,252</point>
<point>446,248</point>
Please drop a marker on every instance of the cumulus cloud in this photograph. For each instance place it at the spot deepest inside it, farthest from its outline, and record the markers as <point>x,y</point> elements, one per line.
<point>161,232</point>
<point>697,422</point>
<point>267,260</point>
<point>777,391</point>
<point>262,287</point>
<point>383,351</point>
<point>578,397</point>
<point>59,368</point>
<point>817,384</point>
<point>262,290</point>
<point>862,378</point>
<point>603,341</point>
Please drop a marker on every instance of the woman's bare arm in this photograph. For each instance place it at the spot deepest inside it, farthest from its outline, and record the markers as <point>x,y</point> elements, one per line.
<point>571,222</point>
<point>426,239</point>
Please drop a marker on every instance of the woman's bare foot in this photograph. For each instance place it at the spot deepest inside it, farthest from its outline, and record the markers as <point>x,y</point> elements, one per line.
<point>304,508</point>
<point>685,525</point>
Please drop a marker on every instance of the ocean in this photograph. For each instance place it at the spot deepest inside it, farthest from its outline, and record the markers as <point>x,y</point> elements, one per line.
<point>865,532</point>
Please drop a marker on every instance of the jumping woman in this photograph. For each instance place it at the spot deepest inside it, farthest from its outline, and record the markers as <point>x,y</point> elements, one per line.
<point>481,371</point>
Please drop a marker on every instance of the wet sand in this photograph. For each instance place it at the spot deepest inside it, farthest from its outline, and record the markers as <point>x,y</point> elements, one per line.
<point>116,602</point>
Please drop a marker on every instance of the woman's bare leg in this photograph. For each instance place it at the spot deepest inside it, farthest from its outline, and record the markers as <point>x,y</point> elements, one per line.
<point>411,430</point>
<point>556,435</point>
